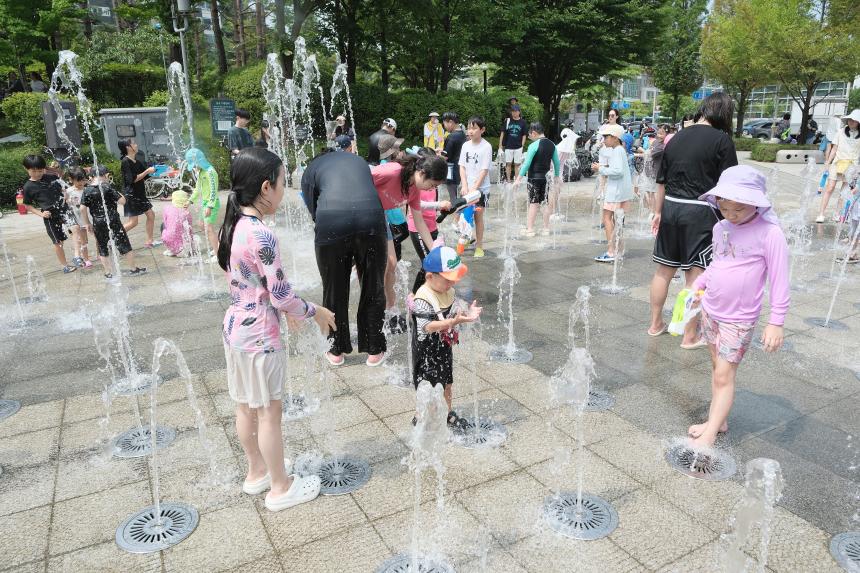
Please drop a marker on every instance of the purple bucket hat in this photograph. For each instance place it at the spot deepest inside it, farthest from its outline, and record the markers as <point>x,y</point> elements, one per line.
<point>742,184</point>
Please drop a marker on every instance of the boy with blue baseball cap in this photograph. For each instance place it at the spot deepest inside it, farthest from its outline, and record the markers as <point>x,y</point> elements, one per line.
<point>436,321</point>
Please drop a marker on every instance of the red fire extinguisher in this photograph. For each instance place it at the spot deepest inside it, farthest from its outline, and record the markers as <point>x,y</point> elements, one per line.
<point>19,199</point>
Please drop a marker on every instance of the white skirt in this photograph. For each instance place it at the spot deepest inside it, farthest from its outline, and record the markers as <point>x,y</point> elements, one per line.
<point>255,378</point>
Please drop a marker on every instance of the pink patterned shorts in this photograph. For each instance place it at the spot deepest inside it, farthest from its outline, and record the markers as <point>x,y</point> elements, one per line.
<point>732,339</point>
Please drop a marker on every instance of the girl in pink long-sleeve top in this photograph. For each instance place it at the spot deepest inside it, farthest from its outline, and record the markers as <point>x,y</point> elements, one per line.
<point>177,223</point>
<point>749,250</point>
<point>259,294</point>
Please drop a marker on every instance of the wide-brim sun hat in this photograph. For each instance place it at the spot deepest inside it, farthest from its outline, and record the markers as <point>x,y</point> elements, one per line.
<point>855,115</point>
<point>389,145</point>
<point>741,184</point>
<point>446,262</point>
<point>390,123</point>
<point>612,129</point>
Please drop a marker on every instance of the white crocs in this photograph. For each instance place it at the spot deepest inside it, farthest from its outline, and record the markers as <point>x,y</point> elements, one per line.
<point>302,490</point>
<point>262,484</point>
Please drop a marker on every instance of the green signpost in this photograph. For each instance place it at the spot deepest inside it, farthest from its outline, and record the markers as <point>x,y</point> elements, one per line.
<point>222,114</point>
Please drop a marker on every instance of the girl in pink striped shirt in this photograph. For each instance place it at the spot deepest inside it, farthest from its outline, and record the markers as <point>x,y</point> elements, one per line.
<point>749,250</point>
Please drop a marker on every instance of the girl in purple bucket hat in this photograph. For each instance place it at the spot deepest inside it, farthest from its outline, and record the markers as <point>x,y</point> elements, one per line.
<point>749,249</point>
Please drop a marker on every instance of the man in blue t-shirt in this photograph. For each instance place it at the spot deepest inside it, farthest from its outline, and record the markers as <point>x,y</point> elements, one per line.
<point>511,141</point>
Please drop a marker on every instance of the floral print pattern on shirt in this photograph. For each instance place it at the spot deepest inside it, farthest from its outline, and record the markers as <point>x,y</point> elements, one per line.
<point>259,290</point>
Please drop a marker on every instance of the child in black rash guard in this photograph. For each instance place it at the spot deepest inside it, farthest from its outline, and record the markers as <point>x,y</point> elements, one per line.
<point>106,221</point>
<point>436,319</point>
<point>43,196</point>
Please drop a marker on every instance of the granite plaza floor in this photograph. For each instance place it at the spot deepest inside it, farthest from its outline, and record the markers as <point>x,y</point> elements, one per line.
<point>60,502</point>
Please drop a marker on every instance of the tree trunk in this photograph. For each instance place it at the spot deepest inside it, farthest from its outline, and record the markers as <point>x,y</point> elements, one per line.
<point>239,32</point>
<point>676,103</point>
<point>446,48</point>
<point>383,48</point>
<point>280,28</point>
<point>88,21</point>
<point>300,14</point>
<point>351,14</point>
<point>806,110</point>
<point>261,29</point>
<point>219,36</point>
<point>743,100</point>
<point>176,52</point>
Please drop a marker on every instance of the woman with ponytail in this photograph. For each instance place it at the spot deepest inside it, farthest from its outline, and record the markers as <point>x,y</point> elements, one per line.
<point>260,293</point>
<point>400,182</point>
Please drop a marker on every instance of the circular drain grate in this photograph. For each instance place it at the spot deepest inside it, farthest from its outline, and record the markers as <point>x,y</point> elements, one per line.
<point>599,400</point>
<point>137,442</point>
<point>822,322</point>
<point>402,563</point>
<point>518,356</point>
<point>297,406</point>
<point>136,385</point>
<point>141,534</point>
<point>488,434</point>
<point>613,289</point>
<point>33,299</point>
<point>592,518</point>
<point>845,548</point>
<point>343,475</point>
<point>714,466</point>
<point>8,408</point>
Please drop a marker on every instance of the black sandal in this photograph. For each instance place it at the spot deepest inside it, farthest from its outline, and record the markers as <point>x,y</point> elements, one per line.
<point>455,422</point>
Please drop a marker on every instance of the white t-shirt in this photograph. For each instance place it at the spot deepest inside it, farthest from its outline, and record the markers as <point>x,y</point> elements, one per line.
<point>847,147</point>
<point>476,158</point>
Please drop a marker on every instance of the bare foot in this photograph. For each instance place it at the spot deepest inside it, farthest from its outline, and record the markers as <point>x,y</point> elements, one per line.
<point>703,443</point>
<point>697,430</point>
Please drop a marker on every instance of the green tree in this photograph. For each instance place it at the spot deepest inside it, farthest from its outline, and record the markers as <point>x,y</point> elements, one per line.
<point>854,99</point>
<point>730,54</point>
<point>555,48</point>
<point>809,42</point>
<point>36,30</point>
<point>677,68</point>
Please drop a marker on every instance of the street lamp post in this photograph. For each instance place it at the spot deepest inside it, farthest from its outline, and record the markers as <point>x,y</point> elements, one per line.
<point>184,7</point>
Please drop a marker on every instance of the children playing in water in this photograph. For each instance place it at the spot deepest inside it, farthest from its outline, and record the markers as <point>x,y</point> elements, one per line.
<point>206,191</point>
<point>176,219</point>
<point>73,193</point>
<point>436,320</point>
<point>541,157</point>
<point>476,155</point>
<point>749,248</point>
<point>99,202</point>
<point>619,186</point>
<point>43,196</point>
<point>260,292</point>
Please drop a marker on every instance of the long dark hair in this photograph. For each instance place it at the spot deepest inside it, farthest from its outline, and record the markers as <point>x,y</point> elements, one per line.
<point>123,145</point>
<point>432,167</point>
<point>251,168</point>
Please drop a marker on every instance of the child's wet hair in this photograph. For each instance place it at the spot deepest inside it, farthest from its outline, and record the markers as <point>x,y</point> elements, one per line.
<point>477,121</point>
<point>34,161</point>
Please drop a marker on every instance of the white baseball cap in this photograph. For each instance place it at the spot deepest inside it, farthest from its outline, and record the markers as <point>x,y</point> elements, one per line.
<point>390,123</point>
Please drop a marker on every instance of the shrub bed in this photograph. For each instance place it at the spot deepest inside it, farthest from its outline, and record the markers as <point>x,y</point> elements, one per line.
<point>767,151</point>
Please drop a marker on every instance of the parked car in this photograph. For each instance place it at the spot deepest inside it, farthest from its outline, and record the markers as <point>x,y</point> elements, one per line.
<point>759,128</point>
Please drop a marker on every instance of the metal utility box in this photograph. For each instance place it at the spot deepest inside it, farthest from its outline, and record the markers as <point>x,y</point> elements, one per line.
<point>52,138</point>
<point>146,125</point>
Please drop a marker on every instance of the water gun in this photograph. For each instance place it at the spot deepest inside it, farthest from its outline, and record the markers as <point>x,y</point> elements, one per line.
<point>465,228</point>
<point>459,204</point>
<point>160,170</point>
<point>683,310</point>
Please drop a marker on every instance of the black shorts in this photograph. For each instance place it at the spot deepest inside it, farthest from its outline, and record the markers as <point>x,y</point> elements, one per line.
<point>54,227</point>
<point>136,205</point>
<point>120,237</point>
<point>537,190</point>
<point>685,237</point>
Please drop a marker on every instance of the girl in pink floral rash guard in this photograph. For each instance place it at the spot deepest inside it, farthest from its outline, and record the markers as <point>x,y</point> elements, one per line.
<point>259,293</point>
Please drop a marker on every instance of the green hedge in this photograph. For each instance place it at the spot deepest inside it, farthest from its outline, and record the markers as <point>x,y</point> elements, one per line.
<point>372,103</point>
<point>745,143</point>
<point>24,113</point>
<point>12,174</point>
<point>767,151</point>
<point>124,85</point>
<point>159,98</point>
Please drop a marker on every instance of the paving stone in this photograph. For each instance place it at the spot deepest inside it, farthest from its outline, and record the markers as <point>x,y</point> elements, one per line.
<point>23,535</point>
<point>94,473</point>
<point>104,558</point>
<point>223,539</point>
<point>34,417</point>
<point>26,487</point>
<point>329,514</point>
<point>103,512</point>
<point>548,551</point>
<point>361,547</point>
<point>30,449</point>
